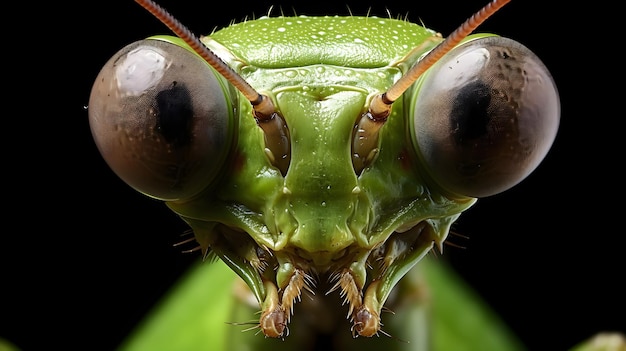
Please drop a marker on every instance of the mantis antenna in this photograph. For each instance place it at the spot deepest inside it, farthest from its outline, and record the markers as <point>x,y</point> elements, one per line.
<point>380,106</point>
<point>263,106</point>
<point>270,121</point>
<point>365,138</point>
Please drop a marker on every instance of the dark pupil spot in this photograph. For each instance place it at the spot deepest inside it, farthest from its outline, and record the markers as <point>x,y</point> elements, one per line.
<point>470,112</point>
<point>174,114</point>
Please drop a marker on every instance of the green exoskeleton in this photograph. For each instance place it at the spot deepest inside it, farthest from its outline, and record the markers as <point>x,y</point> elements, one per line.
<point>323,154</point>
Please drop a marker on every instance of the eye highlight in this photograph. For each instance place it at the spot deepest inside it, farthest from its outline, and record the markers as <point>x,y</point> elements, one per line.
<point>161,119</point>
<point>485,116</point>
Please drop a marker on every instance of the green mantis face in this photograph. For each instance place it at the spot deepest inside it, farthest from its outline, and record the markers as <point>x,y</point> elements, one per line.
<point>324,190</point>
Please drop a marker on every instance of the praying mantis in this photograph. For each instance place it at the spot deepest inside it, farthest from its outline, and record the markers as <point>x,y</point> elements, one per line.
<point>304,166</point>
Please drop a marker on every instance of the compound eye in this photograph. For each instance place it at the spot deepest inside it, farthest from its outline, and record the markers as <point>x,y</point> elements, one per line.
<point>161,119</point>
<point>485,116</point>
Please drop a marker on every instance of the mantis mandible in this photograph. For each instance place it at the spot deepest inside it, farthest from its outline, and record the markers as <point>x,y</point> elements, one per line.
<point>325,159</point>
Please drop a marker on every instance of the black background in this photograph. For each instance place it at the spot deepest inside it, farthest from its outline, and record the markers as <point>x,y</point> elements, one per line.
<point>83,256</point>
